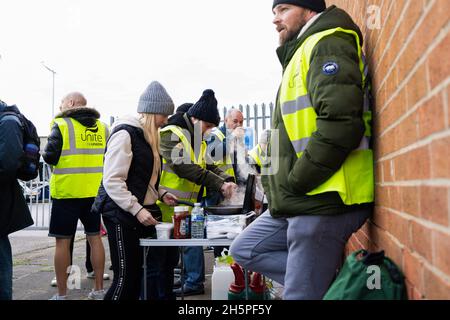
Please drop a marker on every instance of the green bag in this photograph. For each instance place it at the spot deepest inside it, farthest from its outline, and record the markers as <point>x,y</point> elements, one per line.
<point>371,277</point>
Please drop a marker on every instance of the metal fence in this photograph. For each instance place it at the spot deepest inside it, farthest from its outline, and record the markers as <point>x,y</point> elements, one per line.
<point>37,195</point>
<point>258,117</point>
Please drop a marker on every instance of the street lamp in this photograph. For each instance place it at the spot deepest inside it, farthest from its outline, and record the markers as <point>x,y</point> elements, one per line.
<point>53,88</point>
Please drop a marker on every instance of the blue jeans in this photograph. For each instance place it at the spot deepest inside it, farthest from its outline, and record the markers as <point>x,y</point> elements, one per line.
<point>194,267</point>
<point>6,272</point>
<point>302,253</point>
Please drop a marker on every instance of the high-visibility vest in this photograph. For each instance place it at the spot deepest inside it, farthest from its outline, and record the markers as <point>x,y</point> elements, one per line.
<point>227,165</point>
<point>256,155</point>
<point>80,167</point>
<point>182,188</point>
<point>354,180</point>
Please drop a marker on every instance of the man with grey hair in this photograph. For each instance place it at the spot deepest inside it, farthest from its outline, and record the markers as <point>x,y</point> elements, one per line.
<point>75,149</point>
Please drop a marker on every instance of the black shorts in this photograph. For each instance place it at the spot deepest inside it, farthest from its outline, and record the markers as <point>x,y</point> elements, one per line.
<point>65,216</point>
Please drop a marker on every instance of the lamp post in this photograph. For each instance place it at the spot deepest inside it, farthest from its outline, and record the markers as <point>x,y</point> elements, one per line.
<point>53,87</point>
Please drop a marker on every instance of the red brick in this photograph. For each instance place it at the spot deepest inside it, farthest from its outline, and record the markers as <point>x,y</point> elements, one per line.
<point>420,241</point>
<point>393,111</point>
<point>440,154</point>
<point>439,68</point>
<point>434,204</point>
<point>381,195</point>
<point>441,245</point>
<point>395,198</point>
<point>399,227</point>
<point>410,200</point>
<point>431,117</point>
<point>436,287</point>
<point>413,269</point>
<point>417,86</point>
<point>413,165</point>
<point>407,131</point>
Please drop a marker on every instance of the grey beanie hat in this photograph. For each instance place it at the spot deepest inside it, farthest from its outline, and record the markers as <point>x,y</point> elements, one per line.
<point>155,99</point>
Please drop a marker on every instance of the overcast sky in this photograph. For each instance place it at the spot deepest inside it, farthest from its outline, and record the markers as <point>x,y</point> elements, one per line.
<point>111,50</point>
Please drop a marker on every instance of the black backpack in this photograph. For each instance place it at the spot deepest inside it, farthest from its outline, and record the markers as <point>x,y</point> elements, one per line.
<point>29,168</point>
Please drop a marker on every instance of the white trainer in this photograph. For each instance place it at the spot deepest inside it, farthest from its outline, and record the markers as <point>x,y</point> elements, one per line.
<point>58,297</point>
<point>53,283</point>
<point>91,275</point>
<point>97,295</point>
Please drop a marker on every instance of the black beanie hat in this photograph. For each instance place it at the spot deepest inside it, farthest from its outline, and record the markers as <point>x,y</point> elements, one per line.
<point>314,5</point>
<point>206,108</point>
<point>184,108</point>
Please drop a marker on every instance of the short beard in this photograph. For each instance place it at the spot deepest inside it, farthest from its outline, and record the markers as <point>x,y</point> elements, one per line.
<point>291,35</point>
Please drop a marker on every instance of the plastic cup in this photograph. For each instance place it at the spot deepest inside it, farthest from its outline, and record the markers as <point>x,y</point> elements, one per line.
<point>164,230</point>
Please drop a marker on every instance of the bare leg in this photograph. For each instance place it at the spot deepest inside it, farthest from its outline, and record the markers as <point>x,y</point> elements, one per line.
<point>97,259</point>
<point>62,263</point>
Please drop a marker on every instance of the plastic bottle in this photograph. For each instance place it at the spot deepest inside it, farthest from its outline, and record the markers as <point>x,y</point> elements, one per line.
<point>197,222</point>
<point>248,138</point>
<point>181,223</point>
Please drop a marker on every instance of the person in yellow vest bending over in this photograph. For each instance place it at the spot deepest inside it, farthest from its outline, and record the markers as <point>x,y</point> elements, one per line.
<point>187,167</point>
<point>75,150</point>
<point>323,189</point>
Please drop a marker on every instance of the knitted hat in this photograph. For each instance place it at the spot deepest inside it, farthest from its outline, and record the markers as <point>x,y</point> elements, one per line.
<point>314,5</point>
<point>155,99</point>
<point>184,108</point>
<point>206,108</point>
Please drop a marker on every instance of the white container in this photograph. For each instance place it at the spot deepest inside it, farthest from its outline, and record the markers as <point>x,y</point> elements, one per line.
<point>221,280</point>
<point>164,230</point>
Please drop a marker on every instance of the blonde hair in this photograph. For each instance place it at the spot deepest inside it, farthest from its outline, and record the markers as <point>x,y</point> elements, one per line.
<point>151,132</point>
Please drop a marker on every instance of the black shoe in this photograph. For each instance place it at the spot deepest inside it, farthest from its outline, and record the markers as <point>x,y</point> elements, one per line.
<point>188,291</point>
<point>177,283</point>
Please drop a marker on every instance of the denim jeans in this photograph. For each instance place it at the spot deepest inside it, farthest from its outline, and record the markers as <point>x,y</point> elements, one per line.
<point>6,272</point>
<point>194,267</point>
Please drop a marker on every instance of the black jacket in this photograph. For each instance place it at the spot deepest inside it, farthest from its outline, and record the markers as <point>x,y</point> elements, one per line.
<point>52,151</point>
<point>139,175</point>
<point>14,212</point>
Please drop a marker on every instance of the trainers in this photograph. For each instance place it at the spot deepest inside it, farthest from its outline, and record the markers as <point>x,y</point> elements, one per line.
<point>96,295</point>
<point>91,275</point>
<point>189,291</point>
<point>58,297</point>
<point>177,283</point>
<point>53,283</point>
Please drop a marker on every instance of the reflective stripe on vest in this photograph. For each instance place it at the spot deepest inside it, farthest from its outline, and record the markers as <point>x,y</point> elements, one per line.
<point>80,167</point>
<point>226,166</point>
<point>354,180</point>
<point>255,154</point>
<point>182,188</point>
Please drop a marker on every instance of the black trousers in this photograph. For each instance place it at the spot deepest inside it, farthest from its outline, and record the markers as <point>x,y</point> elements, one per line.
<point>127,258</point>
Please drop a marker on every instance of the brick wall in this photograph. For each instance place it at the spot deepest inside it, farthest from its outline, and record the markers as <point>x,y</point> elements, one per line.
<point>409,58</point>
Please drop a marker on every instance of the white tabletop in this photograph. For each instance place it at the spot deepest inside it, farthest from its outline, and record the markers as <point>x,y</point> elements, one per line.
<point>184,242</point>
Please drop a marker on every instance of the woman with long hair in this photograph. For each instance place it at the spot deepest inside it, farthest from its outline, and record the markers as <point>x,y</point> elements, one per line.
<point>129,191</point>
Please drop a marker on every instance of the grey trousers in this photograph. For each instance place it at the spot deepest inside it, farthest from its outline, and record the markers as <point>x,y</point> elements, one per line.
<point>302,253</point>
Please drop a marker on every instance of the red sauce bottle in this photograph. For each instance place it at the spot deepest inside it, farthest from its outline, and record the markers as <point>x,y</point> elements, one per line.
<point>181,223</point>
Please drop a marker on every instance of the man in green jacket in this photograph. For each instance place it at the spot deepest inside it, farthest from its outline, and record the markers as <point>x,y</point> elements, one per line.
<point>322,190</point>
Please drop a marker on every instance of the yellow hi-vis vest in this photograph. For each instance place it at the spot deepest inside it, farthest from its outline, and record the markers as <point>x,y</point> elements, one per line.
<point>226,166</point>
<point>80,167</point>
<point>182,188</point>
<point>354,180</point>
<point>257,155</point>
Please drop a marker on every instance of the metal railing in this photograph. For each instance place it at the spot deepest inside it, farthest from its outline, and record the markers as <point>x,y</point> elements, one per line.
<point>37,195</point>
<point>258,117</point>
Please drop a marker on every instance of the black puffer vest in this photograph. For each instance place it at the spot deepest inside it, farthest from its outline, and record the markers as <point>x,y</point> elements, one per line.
<point>139,176</point>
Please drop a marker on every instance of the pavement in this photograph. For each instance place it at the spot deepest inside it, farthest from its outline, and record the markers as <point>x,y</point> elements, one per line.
<point>33,253</point>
